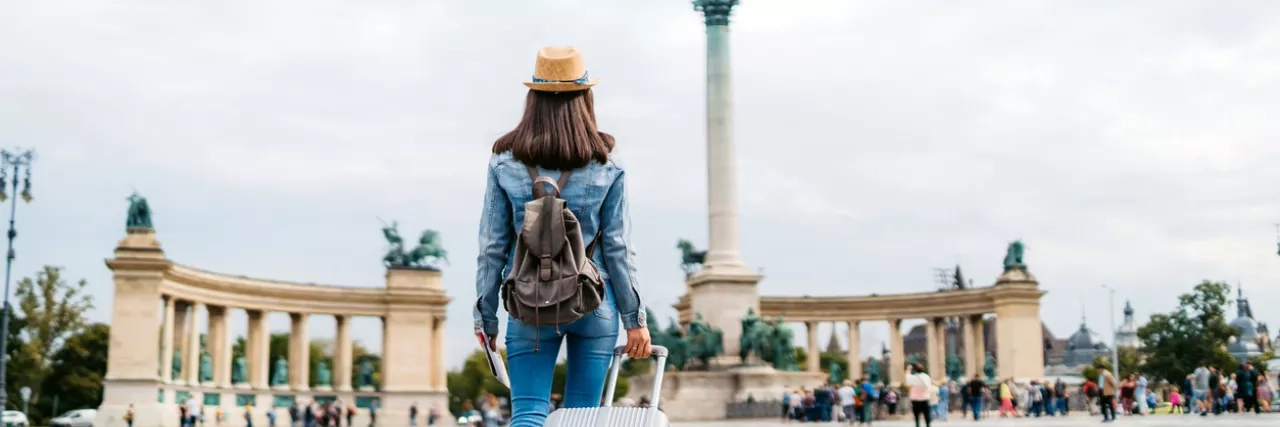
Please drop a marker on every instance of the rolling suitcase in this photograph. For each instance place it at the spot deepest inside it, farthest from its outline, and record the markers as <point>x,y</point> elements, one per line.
<point>610,416</point>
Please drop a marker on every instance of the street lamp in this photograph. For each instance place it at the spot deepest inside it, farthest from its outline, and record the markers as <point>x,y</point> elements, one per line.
<point>1115,351</point>
<point>19,162</point>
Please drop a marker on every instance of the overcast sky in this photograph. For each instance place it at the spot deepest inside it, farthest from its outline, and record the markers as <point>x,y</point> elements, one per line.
<point>1127,143</point>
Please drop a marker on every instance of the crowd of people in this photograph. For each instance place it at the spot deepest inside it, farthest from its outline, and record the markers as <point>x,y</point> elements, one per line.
<point>334,413</point>
<point>860,401</point>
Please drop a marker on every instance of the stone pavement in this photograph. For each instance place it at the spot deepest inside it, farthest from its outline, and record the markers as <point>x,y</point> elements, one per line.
<point>1072,421</point>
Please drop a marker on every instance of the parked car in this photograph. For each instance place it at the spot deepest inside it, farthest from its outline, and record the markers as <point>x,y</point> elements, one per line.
<point>15,419</point>
<point>75,418</point>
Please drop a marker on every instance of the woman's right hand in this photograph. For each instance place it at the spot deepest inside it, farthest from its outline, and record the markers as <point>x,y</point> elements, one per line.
<point>638,345</point>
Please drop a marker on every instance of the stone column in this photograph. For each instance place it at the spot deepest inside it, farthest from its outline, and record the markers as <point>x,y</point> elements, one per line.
<point>970,353</point>
<point>166,341</point>
<point>855,350</point>
<point>342,357</point>
<point>979,350</point>
<point>1019,339</point>
<point>722,186</point>
<point>931,348</point>
<point>439,370</point>
<point>191,369</point>
<point>897,364</point>
<point>811,351</point>
<point>220,345</point>
<point>258,351</point>
<point>299,353</point>
<point>941,326</point>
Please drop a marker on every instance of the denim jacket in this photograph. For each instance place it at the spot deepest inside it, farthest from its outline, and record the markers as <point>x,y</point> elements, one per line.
<point>595,194</point>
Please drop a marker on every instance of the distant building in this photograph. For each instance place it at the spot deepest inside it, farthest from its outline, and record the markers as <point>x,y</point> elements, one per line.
<point>1245,344</point>
<point>1127,334</point>
<point>1083,346</point>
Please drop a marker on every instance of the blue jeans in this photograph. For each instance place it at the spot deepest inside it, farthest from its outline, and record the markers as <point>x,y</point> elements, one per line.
<point>975,406</point>
<point>591,342</point>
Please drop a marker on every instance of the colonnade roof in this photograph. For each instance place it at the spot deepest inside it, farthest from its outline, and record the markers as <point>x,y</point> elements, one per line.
<point>920,305</point>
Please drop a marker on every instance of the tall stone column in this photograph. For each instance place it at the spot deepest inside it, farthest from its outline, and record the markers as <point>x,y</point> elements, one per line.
<point>166,341</point>
<point>811,351</point>
<point>979,350</point>
<point>131,382</point>
<point>931,348</point>
<point>855,350</point>
<point>220,345</point>
<point>725,288</point>
<point>940,324</point>
<point>970,351</point>
<point>191,369</point>
<point>897,364</point>
<point>258,350</point>
<point>342,357</point>
<point>299,353</point>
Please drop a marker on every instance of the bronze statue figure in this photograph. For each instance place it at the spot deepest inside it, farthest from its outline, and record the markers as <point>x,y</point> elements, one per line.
<point>691,258</point>
<point>139,212</point>
<point>427,254</point>
<point>1013,256</point>
<point>705,342</point>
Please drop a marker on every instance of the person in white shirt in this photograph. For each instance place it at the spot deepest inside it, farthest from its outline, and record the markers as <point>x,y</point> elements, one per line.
<point>846,395</point>
<point>919,384</point>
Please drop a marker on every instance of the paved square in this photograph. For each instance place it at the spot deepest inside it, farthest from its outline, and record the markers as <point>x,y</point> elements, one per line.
<point>1072,421</point>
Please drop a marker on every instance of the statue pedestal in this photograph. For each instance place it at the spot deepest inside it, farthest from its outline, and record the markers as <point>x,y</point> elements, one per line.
<point>704,395</point>
<point>208,384</point>
<point>281,387</point>
<point>241,386</point>
<point>322,387</point>
<point>365,389</point>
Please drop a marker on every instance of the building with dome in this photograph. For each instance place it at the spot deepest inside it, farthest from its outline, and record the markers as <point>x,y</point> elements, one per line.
<point>1127,333</point>
<point>1083,346</point>
<point>1245,344</point>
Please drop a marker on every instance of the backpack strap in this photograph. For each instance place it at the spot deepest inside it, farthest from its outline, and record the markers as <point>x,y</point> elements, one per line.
<point>538,190</point>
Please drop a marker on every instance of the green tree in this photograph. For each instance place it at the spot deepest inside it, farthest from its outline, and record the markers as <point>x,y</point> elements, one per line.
<point>20,368</point>
<point>1194,334</point>
<point>76,370</point>
<point>54,311</point>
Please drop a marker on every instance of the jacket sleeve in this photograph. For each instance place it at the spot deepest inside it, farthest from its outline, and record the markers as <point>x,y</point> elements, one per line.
<point>495,250</point>
<point>619,259</point>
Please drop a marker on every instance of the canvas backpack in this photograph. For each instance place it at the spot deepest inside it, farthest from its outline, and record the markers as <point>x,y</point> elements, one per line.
<point>553,281</point>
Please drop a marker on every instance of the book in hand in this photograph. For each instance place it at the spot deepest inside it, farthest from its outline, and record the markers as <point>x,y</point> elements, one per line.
<point>497,366</point>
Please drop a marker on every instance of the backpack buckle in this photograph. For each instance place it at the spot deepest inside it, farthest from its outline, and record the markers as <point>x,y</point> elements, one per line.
<point>544,267</point>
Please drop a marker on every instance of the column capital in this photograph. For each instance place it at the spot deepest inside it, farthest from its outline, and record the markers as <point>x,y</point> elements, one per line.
<point>715,12</point>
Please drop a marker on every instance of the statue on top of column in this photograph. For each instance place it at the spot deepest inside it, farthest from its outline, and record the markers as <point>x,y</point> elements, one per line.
<point>1013,256</point>
<point>139,212</point>
<point>238,369</point>
<point>324,376</point>
<point>428,254</point>
<point>280,373</point>
<point>691,258</point>
<point>989,368</point>
<point>176,368</point>
<point>206,368</point>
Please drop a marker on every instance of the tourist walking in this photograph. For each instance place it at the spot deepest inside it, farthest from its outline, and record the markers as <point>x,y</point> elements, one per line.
<point>1063,395</point>
<point>945,389</point>
<point>848,399</point>
<point>1140,393</point>
<point>1175,402</point>
<point>975,392</point>
<point>556,159</point>
<point>1265,392</point>
<point>1107,399</point>
<point>1247,388</point>
<point>918,384</point>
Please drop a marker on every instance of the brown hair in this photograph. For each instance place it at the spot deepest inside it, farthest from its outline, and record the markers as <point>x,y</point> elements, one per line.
<point>558,131</point>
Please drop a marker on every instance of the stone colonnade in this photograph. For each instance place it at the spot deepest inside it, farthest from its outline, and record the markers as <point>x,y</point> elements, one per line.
<point>1014,300</point>
<point>151,289</point>
<point>973,353</point>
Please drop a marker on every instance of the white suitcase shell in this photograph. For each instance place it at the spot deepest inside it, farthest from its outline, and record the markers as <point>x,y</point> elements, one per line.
<point>609,416</point>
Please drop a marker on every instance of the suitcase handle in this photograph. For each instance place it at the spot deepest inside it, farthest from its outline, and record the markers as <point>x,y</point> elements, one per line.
<point>615,365</point>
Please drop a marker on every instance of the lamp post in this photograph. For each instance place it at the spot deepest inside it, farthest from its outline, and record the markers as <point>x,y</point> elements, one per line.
<point>19,162</point>
<point>1115,351</point>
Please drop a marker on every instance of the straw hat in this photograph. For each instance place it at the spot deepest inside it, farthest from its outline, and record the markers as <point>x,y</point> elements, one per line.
<point>560,69</point>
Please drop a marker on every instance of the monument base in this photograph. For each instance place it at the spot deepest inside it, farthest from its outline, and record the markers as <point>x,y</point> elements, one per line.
<point>705,395</point>
<point>365,389</point>
<point>322,388</point>
<point>281,387</point>
<point>241,386</point>
<point>117,395</point>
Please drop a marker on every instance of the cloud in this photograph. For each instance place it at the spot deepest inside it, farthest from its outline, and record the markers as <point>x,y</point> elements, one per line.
<point>1128,144</point>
